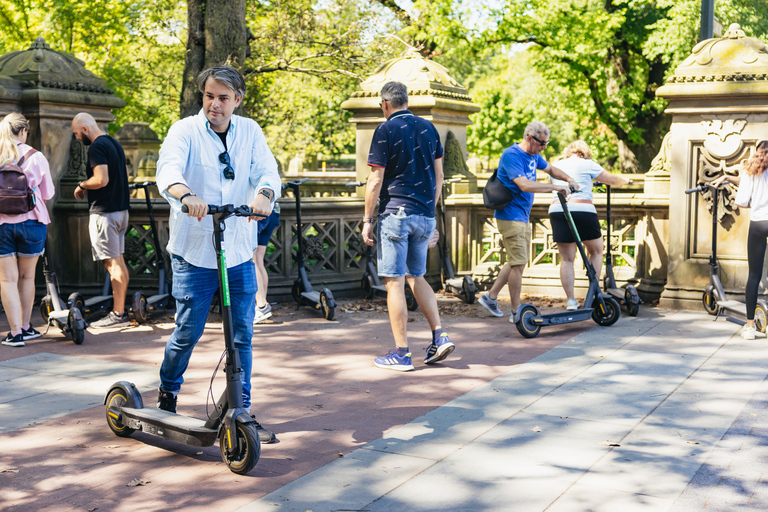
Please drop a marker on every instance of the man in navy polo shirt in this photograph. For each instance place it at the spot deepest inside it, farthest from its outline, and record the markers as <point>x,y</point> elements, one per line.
<point>405,180</point>
<point>517,171</point>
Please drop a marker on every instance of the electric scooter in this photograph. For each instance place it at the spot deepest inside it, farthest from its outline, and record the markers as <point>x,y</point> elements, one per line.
<point>228,422</point>
<point>626,296</point>
<point>463,287</point>
<point>603,309</point>
<point>141,306</point>
<point>370,282</point>
<point>302,290</point>
<point>715,301</point>
<point>52,309</point>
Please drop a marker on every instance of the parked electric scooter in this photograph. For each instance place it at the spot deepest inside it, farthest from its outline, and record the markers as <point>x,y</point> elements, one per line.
<point>302,290</point>
<point>90,308</point>
<point>52,309</point>
<point>141,306</point>
<point>627,295</point>
<point>603,309</point>
<point>229,421</point>
<point>715,301</point>
<point>463,287</point>
<point>370,282</point>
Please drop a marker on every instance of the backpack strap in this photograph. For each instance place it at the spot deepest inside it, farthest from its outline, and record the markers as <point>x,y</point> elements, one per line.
<point>31,152</point>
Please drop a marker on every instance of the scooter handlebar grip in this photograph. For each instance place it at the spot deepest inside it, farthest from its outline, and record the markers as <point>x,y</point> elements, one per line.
<point>695,189</point>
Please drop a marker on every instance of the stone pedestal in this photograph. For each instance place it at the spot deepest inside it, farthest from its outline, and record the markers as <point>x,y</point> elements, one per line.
<point>718,98</point>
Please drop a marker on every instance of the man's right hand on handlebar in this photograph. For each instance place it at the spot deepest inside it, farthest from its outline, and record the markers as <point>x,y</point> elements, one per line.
<point>197,207</point>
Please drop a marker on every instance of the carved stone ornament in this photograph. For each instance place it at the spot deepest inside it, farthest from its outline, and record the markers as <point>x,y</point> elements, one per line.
<point>357,245</point>
<point>78,156</point>
<point>723,136</point>
<point>313,247</point>
<point>454,163</point>
<point>710,167</point>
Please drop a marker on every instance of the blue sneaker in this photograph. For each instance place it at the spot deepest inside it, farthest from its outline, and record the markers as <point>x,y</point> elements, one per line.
<point>392,361</point>
<point>439,349</point>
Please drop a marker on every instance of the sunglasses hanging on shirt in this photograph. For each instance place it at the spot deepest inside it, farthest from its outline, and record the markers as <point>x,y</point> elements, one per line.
<point>229,172</point>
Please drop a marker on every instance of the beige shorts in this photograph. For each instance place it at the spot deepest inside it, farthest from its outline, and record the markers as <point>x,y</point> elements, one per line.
<point>107,232</point>
<point>516,237</point>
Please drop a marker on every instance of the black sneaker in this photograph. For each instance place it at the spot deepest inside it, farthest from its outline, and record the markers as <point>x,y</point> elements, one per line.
<point>14,341</point>
<point>265,436</point>
<point>166,401</point>
<point>112,320</point>
<point>29,334</point>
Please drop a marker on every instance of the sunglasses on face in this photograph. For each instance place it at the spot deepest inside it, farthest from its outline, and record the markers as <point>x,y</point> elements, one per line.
<point>229,172</point>
<point>542,142</point>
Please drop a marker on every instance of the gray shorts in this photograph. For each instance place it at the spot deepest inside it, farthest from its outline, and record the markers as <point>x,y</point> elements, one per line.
<point>108,234</point>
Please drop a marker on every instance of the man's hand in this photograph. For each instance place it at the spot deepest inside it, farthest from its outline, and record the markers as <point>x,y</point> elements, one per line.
<point>433,239</point>
<point>79,193</point>
<point>368,233</point>
<point>261,205</point>
<point>573,185</point>
<point>566,189</point>
<point>197,207</point>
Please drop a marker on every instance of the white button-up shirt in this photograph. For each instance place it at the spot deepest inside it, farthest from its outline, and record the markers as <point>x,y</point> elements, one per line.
<point>190,156</point>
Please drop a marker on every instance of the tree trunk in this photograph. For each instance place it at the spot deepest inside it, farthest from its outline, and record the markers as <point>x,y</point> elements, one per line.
<point>217,35</point>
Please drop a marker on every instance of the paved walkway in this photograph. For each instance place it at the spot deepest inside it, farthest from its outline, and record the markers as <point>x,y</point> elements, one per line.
<point>665,411</point>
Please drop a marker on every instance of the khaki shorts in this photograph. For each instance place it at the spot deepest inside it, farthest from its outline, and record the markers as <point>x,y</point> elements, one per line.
<point>107,232</point>
<point>516,237</point>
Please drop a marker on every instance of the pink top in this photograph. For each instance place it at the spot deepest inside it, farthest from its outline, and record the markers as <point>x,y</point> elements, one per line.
<point>39,179</point>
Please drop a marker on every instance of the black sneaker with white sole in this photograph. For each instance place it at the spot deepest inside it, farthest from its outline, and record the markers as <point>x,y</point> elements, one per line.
<point>29,334</point>
<point>14,341</point>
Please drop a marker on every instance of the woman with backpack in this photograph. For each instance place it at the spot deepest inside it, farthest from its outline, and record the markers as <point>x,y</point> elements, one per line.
<point>23,228</point>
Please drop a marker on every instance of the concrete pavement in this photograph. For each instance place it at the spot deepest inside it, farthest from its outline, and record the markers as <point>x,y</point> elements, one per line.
<point>665,411</point>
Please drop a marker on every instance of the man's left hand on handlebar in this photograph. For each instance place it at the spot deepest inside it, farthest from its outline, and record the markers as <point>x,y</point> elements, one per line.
<point>261,205</point>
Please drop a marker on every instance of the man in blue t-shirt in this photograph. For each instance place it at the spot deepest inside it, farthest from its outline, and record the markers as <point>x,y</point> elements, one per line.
<point>405,180</point>
<point>517,171</point>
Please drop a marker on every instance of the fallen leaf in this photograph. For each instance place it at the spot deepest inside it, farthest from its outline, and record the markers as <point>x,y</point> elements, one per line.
<point>536,428</point>
<point>608,443</point>
<point>136,482</point>
<point>113,446</point>
<point>341,454</point>
<point>9,470</point>
<point>692,442</point>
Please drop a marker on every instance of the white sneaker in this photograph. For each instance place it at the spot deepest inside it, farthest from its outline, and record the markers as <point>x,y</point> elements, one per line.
<point>513,316</point>
<point>571,304</point>
<point>748,333</point>
<point>262,314</point>
<point>491,305</point>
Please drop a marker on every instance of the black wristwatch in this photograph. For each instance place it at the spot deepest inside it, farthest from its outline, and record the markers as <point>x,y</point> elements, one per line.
<point>266,193</point>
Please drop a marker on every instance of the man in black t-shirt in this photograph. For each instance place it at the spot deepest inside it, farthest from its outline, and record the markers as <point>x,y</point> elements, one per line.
<point>106,184</point>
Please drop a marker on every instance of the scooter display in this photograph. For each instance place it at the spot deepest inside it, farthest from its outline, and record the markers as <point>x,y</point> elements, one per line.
<point>714,299</point>
<point>370,282</point>
<point>141,306</point>
<point>228,422</point>
<point>52,309</point>
<point>603,309</point>
<point>302,290</point>
<point>463,287</point>
<point>627,295</point>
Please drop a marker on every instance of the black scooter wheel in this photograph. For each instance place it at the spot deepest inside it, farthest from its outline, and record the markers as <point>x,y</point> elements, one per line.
<point>525,325</point>
<point>761,316</point>
<point>468,290</point>
<point>366,283</point>
<point>611,314</point>
<point>410,299</point>
<point>139,308</point>
<point>326,307</point>
<point>46,306</point>
<point>76,300</point>
<point>245,461</point>
<point>296,292</point>
<point>631,301</point>
<point>117,398</point>
<point>76,326</point>
<point>708,301</point>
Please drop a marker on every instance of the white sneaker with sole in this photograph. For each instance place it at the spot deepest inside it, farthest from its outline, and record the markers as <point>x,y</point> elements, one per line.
<point>492,305</point>
<point>571,304</point>
<point>748,333</point>
<point>262,314</point>
<point>513,316</point>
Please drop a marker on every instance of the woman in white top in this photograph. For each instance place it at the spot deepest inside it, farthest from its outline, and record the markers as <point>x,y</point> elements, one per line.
<point>753,194</point>
<point>578,164</point>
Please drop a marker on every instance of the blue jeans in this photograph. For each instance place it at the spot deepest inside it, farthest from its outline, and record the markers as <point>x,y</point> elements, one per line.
<point>193,289</point>
<point>402,244</point>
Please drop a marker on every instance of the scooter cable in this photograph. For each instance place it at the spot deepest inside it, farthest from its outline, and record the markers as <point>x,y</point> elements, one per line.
<point>210,386</point>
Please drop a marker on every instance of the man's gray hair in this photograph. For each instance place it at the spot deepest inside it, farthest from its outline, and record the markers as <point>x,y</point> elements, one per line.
<point>535,129</point>
<point>395,93</point>
<point>226,75</point>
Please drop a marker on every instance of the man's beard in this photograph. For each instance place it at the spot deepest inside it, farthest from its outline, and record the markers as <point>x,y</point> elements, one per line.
<point>84,138</point>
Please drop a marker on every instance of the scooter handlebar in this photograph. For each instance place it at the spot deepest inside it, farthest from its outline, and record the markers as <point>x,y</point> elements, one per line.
<point>144,184</point>
<point>700,188</point>
<point>237,211</point>
<point>294,183</point>
<point>356,184</point>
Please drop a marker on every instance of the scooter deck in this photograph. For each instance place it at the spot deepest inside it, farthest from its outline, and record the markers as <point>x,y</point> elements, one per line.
<point>565,317</point>
<point>173,426</point>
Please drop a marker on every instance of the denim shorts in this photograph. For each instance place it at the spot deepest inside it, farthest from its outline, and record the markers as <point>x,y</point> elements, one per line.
<point>402,244</point>
<point>25,239</point>
<point>266,227</point>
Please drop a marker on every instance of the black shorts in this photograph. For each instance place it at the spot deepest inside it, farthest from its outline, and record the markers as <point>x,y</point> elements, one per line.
<point>587,224</point>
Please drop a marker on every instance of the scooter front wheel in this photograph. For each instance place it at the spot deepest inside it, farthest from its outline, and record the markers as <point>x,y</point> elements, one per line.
<point>761,315</point>
<point>525,324</point>
<point>326,306</point>
<point>366,283</point>
<point>139,308</point>
<point>76,326</point>
<point>631,301</point>
<point>245,461</point>
<point>117,398</point>
<point>410,299</point>
<point>296,292</point>
<point>75,300</point>
<point>46,306</point>
<point>468,289</point>
<point>611,314</point>
<point>709,301</point>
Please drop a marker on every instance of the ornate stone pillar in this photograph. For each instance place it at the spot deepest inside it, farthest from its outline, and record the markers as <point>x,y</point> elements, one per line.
<point>718,98</point>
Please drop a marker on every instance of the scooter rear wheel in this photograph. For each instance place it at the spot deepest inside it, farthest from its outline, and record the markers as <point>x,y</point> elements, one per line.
<point>611,314</point>
<point>468,290</point>
<point>410,299</point>
<point>139,308</point>
<point>631,301</point>
<point>46,306</point>
<point>709,301</point>
<point>326,307</point>
<point>525,325</point>
<point>249,440</point>
<point>296,292</point>
<point>366,283</point>
<point>117,398</point>
<point>761,316</point>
